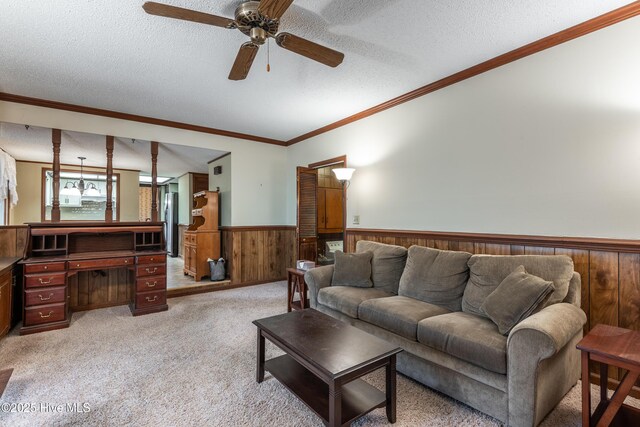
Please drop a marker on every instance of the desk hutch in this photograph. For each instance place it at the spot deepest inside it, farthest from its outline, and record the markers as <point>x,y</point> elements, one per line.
<point>81,265</point>
<point>202,238</point>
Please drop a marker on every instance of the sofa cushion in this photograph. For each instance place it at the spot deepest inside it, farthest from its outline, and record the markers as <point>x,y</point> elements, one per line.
<point>387,264</point>
<point>398,314</point>
<point>488,271</point>
<point>346,299</point>
<point>435,276</point>
<point>352,270</point>
<point>515,299</point>
<point>468,337</point>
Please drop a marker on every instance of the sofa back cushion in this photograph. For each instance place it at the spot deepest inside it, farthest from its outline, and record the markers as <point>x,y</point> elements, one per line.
<point>435,276</point>
<point>352,270</point>
<point>387,264</point>
<point>488,271</point>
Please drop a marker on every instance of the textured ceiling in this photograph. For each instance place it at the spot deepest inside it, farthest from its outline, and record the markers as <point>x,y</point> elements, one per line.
<point>110,54</point>
<point>34,144</point>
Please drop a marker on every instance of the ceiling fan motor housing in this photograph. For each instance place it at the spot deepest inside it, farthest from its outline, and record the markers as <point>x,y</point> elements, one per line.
<point>253,23</point>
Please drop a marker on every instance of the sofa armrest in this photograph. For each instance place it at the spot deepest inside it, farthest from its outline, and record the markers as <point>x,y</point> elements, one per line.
<point>555,326</point>
<point>546,335</point>
<point>316,279</point>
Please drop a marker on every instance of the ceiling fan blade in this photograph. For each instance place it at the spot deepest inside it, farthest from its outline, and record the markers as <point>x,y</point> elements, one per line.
<point>243,61</point>
<point>274,9</point>
<point>311,50</point>
<point>159,9</point>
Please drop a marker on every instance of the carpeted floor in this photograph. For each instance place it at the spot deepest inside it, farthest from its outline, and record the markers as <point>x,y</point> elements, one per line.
<point>191,366</point>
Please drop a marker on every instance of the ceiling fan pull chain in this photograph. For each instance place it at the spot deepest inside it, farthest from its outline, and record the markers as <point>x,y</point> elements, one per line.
<point>268,60</point>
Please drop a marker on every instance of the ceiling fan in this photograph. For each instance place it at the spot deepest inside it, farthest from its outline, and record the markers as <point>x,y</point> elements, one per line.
<point>259,20</point>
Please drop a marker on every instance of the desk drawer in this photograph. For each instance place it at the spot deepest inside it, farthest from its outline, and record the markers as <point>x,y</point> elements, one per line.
<point>44,267</point>
<point>189,238</point>
<point>151,270</point>
<point>98,264</point>
<point>39,280</point>
<point>44,296</point>
<point>44,314</point>
<point>151,284</point>
<point>152,259</point>
<point>151,299</point>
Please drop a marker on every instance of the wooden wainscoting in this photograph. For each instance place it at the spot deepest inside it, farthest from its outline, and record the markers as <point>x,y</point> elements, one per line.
<point>610,268</point>
<point>13,239</point>
<point>258,254</point>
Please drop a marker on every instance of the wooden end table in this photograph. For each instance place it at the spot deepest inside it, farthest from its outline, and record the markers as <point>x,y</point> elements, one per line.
<point>296,284</point>
<point>617,347</point>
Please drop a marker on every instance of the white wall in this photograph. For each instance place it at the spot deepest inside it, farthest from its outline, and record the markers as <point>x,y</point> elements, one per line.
<point>258,170</point>
<point>547,145</point>
<point>223,181</point>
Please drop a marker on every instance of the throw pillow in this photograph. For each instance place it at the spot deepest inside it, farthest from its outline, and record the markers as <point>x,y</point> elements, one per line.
<point>352,270</point>
<point>519,294</point>
<point>435,276</point>
<point>488,271</point>
<point>387,264</point>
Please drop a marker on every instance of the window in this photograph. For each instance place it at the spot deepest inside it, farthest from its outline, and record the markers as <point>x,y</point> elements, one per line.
<point>74,206</point>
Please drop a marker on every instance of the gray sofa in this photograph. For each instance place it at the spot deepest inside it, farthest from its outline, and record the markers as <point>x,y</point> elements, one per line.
<point>430,303</point>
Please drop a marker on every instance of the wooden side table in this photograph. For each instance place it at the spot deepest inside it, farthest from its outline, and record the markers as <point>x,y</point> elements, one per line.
<point>617,347</point>
<point>296,284</point>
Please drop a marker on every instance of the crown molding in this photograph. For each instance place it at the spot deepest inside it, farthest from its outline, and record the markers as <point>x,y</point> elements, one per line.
<point>133,118</point>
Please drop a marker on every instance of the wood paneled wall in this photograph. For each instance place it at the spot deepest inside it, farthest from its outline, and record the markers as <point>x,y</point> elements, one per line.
<point>258,254</point>
<point>13,239</point>
<point>609,268</point>
<point>96,289</point>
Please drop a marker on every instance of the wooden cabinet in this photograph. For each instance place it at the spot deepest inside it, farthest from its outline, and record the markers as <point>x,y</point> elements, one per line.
<point>6,281</point>
<point>202,238</point>
<point>330,212</point>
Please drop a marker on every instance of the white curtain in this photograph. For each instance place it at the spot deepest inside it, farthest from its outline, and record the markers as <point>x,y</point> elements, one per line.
<point>8,181</point>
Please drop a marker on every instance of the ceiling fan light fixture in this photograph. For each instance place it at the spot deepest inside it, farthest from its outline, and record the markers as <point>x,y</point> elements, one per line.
<point>258,35</point>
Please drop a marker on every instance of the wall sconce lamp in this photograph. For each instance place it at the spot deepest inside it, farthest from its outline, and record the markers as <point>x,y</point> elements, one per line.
<point>344,175</point>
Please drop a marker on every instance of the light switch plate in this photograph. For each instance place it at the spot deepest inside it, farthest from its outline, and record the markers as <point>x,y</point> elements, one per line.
<point>356,219</point>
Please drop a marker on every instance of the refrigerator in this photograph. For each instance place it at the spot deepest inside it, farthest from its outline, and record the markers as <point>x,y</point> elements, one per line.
<point>171,223</point>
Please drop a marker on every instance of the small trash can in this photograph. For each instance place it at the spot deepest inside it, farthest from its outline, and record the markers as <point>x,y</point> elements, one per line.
<point>217,269</point>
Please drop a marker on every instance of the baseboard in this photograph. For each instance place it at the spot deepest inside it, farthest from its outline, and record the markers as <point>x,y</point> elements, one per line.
<point>181,292</point>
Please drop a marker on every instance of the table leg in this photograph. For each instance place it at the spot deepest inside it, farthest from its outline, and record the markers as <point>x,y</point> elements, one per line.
<point>391,389</point>
<point>260,358</point>
<point>335,404</point>
<point>586,391</point>
<point>289,293</point>
<point>303,293</point>
<point>604,379</point>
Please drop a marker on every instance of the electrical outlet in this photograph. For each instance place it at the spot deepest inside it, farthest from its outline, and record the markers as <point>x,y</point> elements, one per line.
<point>356,219</point>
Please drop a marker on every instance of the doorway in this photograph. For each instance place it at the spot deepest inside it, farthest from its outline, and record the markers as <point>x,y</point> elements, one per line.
<point>321,211</point>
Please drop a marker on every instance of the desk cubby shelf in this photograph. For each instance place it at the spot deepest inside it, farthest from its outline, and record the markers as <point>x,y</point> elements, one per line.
<point>48,245</point>
<point>149,240</point>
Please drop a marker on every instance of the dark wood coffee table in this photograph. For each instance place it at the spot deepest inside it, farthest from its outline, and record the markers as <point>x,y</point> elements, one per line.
<point>324,361</point>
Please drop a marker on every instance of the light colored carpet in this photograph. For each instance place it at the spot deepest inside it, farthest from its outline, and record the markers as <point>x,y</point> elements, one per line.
<point>191,366</point>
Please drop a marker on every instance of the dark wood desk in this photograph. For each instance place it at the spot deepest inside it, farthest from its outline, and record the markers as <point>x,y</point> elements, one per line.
<point>296,285</point>
<point>617,347</point>
<point>64,257</point>
<point>324,361</point>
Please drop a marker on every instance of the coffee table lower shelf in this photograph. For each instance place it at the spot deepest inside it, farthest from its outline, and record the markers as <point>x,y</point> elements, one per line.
<point>358,397</point>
